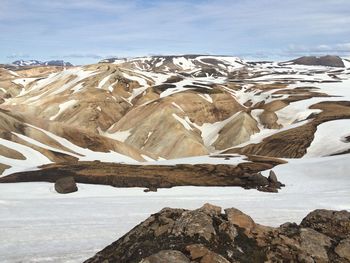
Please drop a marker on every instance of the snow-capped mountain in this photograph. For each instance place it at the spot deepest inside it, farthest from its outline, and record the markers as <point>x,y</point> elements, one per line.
<point>23,63</point>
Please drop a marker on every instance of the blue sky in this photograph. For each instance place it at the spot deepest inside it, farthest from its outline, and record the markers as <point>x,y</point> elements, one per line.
<point>85,31</point>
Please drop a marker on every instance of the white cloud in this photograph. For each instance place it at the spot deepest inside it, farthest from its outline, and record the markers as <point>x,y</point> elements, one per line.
<point>335,49</point>
<point>135,27</point>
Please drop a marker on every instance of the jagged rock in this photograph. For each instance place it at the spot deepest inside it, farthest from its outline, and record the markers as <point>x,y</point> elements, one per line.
<point>166,256</point>
<point>211,209</point>
<point>205,235</point>
<point>272,177</point>
<point>66,185</point>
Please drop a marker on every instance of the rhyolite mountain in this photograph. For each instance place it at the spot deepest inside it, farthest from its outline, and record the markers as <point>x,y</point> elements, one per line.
<point>165,107</point>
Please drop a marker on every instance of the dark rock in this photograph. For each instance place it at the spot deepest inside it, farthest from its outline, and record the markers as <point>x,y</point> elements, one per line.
<point>258,179</point>
<point>151,189</point>
<point>66,185</point>
<point>267,189</point>
<point>272,177</point>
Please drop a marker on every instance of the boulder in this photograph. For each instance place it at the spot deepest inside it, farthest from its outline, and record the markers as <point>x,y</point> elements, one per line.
<point>335,224</point>
<point>66,185</point>
<point>238,218</point>
<point>343,249</point>
<point>314,243</point>
<point>195,223</point>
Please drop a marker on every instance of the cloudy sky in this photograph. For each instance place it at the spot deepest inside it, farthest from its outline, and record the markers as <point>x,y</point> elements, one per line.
<point>84,31</point>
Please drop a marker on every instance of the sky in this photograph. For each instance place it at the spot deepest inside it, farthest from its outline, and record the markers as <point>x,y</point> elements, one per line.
<point>86,31</point>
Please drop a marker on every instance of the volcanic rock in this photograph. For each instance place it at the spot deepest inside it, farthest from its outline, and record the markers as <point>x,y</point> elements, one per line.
<point>66,185</point>
<point>272,177</point>
<point>205,235</point>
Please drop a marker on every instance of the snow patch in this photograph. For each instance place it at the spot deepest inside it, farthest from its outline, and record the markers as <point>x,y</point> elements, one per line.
<point>63,107</point>
<point>330,139</point>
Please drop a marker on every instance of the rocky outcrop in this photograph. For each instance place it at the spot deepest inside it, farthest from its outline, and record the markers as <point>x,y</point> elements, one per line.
<point>206,235</point>
<point>246,175</point>
<point>66,185</point>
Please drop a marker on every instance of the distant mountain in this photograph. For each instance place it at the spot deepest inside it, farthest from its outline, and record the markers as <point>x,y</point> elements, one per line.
<point>196,65</point>
<point>23,63</point>
<point>329,61</point>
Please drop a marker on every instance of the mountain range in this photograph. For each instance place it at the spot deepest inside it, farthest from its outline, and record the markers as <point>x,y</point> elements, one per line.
<point>24,63</point>
<point>169,107</point>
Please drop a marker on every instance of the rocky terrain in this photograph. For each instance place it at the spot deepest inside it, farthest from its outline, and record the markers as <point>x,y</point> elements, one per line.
<point>245,174</point>
<point>207,235</point>
<point>151,109</point>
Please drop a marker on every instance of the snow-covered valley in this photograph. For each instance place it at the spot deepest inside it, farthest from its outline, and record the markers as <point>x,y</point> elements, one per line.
<point>44,226</point>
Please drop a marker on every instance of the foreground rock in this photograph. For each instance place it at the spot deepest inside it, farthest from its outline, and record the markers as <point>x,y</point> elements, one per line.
<point>207,235</point>
<point>66,185</point>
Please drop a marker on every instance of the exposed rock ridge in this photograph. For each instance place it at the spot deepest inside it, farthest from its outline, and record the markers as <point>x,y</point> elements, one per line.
<point>207,235</point>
